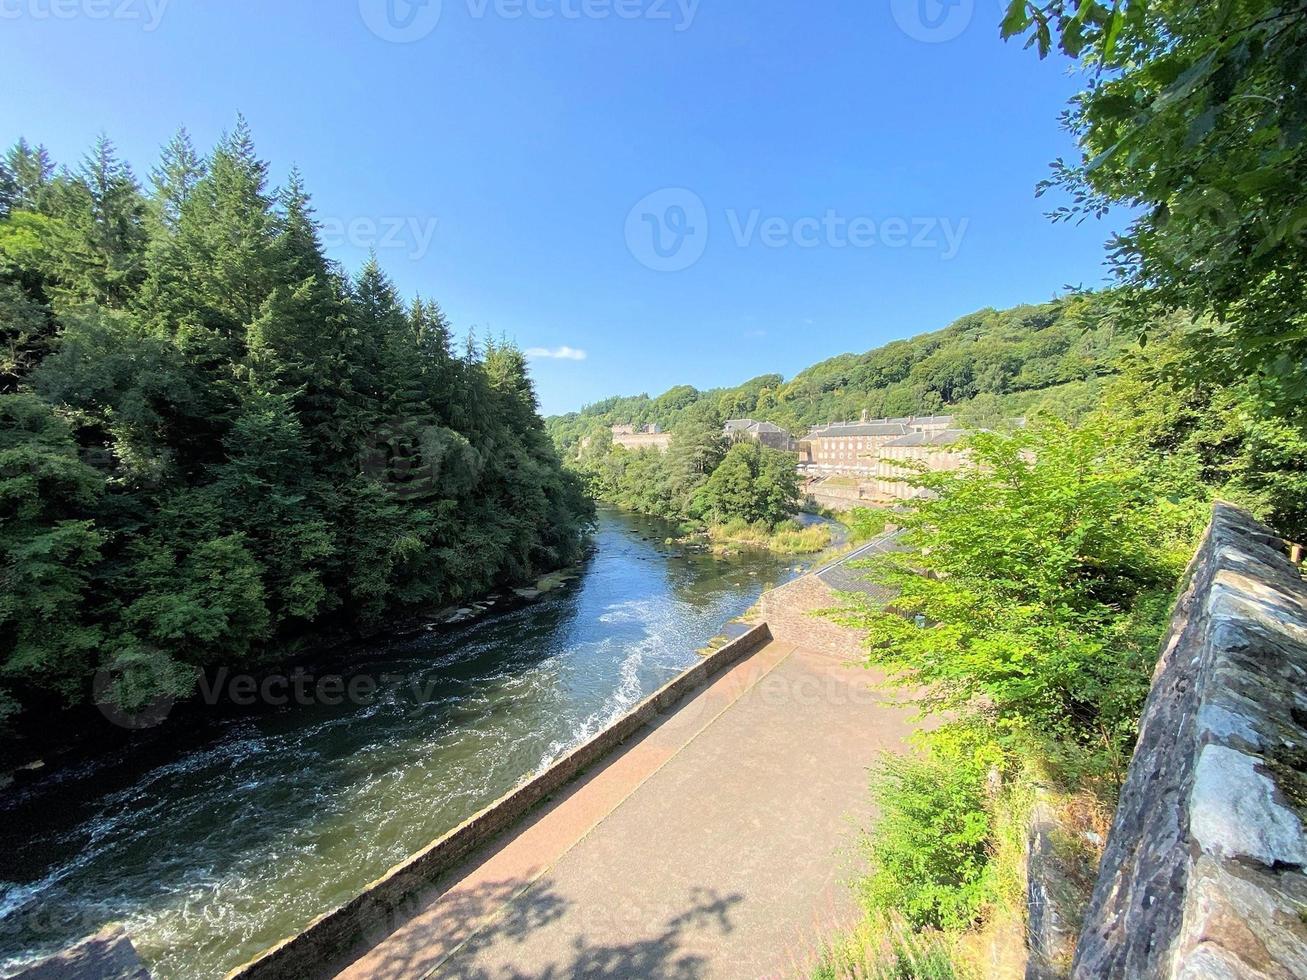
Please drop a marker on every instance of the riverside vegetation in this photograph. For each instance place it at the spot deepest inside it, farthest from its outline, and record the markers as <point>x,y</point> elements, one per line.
<point>217,446</point>
<point>741,496</point>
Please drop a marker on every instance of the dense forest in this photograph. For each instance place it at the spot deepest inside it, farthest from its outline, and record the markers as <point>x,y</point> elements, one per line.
<point>217,445</point>
<point>986,365</point>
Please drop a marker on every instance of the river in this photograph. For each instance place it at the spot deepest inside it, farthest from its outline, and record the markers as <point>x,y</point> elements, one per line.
<point>243,832</point>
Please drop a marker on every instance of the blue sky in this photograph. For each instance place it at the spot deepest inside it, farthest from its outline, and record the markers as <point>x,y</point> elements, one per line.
<point>661,191</point>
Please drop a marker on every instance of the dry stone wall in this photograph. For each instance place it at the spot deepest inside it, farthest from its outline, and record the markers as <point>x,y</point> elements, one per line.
<point>1203,875</point>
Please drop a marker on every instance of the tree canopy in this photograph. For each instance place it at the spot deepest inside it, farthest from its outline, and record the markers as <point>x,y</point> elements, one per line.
<point>216,444</point>
<point>1195,114</point>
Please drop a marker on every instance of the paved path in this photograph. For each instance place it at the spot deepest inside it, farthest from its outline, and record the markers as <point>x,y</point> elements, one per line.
<point>719,844</point>
<point>841,578</point>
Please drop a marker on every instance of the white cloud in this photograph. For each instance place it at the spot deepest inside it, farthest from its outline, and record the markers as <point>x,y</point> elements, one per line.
<point>557,353</point>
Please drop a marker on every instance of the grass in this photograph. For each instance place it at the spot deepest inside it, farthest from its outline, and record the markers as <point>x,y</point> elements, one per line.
<point>864,523</point>
<point>887,949</point>
<point>787,538</point>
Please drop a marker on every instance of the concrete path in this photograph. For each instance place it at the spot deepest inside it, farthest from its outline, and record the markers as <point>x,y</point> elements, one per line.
<point>719,844</point>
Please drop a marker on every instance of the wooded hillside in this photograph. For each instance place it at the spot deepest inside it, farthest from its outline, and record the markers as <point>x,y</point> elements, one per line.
<point>984,366</point>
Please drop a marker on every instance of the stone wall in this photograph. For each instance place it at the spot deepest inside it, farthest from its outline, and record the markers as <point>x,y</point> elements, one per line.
<point>790,614</point>
<point>1203,875</point>
<point>661,441</point>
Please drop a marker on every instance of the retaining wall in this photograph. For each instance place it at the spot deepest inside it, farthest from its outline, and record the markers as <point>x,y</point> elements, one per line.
<point>1203,875</point>
<point>388,901</point>
<point>791,613</point>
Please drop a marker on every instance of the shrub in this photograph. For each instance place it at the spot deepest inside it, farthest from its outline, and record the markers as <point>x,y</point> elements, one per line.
<point>928,850</point>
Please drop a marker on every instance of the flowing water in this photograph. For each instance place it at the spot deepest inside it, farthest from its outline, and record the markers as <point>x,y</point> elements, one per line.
<point>239,834</point>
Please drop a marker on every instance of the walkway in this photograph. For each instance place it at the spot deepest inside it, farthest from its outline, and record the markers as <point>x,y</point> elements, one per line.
<point>841,578</point>
<point>719,844</point>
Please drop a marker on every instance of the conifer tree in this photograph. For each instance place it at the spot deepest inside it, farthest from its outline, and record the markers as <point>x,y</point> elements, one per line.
<point>103,215</point>
<point>32,170</point>
<point>179,169</point>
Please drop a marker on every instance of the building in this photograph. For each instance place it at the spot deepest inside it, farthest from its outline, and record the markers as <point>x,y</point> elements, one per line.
<point>767,433</point>
<point>853,448</point>
<point>902,457</point>
<point>642,437</point>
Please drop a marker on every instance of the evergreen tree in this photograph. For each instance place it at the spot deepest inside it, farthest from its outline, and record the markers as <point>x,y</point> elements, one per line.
<point>31,171</point>
<point>218,268</point>
<point>8,190</point>
<point>180,168</point>
<point>215,447</point>
<point>102,224</point>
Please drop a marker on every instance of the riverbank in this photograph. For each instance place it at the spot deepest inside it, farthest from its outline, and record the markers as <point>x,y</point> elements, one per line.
<point>77,736</point>
<point>225,835</point>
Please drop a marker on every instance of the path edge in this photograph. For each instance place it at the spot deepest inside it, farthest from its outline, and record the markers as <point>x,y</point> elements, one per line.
<point>385,903</point>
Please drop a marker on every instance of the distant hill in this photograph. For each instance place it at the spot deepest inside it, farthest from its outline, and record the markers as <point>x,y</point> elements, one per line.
<point>983,367</point>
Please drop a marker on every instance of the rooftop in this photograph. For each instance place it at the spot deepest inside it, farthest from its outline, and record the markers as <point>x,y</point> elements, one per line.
<point>945,437</point>
<point>836,429</point>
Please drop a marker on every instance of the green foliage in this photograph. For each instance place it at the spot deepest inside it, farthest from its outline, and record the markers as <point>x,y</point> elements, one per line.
<point>1030,596</point>
<point>928,854</point>
<point>753,484</point>
<point>1047,357</point>
<point>50,546</point>
<point>215,445</point>
<point>1042,576</point>
<point>1217,441</point>
<point>865,523</point>
<point>1195,116</point>
<point>787,538</point>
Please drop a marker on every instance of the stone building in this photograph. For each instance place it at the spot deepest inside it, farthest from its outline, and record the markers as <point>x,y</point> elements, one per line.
<point>767,433</point>
<point>853,448</point>
<point>642,437</point>
<point>902,457</point>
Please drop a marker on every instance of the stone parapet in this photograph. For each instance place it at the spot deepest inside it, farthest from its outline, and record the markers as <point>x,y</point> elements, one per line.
<point>1203,875</point>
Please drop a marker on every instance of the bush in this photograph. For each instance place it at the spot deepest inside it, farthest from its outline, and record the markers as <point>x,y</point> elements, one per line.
<point>928,850</point>
<point>864,523</point>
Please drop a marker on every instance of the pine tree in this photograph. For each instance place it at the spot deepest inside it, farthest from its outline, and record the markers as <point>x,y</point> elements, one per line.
<point>219,267</point>
<point>180,168</point>
<point>106,215</point>
<point>32,171</point>
<point>8,190</point>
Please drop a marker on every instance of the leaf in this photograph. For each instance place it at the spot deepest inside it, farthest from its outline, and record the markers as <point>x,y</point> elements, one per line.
<point>1015,20</point>
<point>1114,24</point>
<point>1188,81</point>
